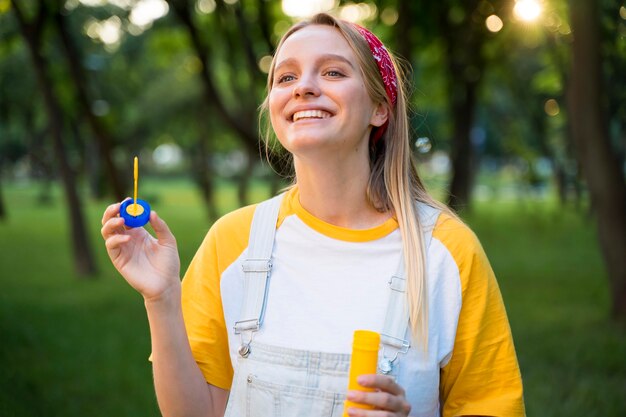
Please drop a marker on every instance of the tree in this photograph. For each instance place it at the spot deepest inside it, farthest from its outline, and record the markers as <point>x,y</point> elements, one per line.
<point>84,261</point>
<point>600,166</point>
<point>459,26</point>
<point>240,119</point>
<point>80,83</point>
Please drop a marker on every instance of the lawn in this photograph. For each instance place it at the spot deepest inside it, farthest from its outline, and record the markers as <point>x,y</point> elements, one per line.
<point>75,347</point>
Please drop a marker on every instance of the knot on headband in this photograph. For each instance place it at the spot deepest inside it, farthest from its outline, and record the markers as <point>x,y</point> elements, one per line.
<point>386,70</point>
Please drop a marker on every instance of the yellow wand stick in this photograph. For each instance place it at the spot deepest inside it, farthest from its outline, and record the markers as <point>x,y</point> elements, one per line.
<point>136,172</point>
<point>135,212</point>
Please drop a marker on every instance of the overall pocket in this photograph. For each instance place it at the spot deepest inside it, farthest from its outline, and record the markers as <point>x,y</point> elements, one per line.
<point>268,399</point>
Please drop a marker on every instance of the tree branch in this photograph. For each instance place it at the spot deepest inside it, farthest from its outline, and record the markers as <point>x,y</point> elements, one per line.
<point>248,136</point>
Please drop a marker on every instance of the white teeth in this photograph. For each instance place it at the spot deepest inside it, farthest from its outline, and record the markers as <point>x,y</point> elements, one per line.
<point>310,114</point>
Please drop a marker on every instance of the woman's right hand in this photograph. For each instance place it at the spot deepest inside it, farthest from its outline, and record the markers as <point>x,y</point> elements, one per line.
<point>150,265</point>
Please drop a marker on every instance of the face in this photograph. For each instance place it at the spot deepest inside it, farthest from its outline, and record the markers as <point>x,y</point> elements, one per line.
<point>318,100</point>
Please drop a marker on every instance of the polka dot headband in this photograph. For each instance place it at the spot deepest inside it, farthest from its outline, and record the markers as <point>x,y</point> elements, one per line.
<point>387,72</point>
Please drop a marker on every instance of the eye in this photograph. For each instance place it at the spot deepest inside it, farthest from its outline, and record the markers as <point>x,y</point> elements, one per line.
<point>334,74</point>
<point>284,79</point>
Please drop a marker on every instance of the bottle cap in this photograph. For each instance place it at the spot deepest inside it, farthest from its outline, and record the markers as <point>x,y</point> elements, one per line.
<point>128,213</point>
<point>366,340</point>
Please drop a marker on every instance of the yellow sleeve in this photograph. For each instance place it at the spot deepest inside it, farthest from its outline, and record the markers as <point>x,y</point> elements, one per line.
<point>201,295</point>
<point>482,376</point>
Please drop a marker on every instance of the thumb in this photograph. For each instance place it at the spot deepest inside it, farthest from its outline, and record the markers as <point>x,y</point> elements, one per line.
<point>162,231</point>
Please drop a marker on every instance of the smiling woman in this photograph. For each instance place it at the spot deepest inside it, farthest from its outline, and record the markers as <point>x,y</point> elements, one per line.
<point>318,103</point>
<point>356,244</point>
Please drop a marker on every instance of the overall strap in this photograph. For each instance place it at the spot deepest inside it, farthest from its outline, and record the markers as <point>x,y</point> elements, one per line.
<point>397,315</point>
<point>256,268</point>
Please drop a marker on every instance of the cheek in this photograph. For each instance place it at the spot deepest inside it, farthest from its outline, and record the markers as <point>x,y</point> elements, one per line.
<point>356,92</point>
<point>276,105</point>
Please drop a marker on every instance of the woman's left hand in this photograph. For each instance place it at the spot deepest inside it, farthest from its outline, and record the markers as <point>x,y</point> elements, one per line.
<point>388,399</point>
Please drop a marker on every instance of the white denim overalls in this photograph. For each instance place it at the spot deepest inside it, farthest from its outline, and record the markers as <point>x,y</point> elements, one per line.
<point>272,381</point>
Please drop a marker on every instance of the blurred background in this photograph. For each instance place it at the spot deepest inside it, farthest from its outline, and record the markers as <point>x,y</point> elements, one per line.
<point>518,121</point>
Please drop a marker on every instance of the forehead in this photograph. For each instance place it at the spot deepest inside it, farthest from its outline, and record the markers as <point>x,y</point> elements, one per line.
<point>315,40</point>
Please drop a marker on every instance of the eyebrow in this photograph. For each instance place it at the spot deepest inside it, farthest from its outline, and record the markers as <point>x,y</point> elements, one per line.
<point>325,57</point>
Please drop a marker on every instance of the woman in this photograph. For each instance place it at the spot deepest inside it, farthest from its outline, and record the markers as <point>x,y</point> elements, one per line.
<point>263,321</point>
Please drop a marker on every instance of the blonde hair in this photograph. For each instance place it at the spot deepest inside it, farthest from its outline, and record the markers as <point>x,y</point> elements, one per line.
<point>394,184</point>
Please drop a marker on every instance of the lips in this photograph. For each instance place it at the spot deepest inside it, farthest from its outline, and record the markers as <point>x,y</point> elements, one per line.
<point>310,114</point>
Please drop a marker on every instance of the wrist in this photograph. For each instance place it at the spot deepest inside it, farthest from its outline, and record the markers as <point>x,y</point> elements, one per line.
<point>167,299</point>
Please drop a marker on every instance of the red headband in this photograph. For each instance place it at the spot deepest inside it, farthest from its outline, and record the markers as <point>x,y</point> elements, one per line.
<point>387,72</point>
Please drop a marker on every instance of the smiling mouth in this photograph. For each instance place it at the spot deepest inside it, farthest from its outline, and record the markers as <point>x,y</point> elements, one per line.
<point>310,114</point>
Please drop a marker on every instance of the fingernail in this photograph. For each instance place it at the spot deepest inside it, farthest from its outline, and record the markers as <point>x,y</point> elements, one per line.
<point>351,395</point>
<point>361,380</point>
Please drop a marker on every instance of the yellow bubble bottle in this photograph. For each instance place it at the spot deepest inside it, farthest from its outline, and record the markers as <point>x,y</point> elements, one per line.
<point>364,361</point>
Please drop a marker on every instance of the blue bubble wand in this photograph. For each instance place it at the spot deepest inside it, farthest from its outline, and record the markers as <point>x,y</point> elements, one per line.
<point>136,213</point>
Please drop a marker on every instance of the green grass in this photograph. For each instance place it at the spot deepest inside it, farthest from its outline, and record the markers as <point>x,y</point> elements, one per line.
<point>573,359</point>
<point>74,347</point>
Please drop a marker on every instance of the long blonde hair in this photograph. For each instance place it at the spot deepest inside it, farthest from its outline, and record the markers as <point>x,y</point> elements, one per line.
<point>394,184</point>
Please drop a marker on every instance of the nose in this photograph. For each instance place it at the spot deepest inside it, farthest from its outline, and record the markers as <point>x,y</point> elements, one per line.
<point>306,86</point>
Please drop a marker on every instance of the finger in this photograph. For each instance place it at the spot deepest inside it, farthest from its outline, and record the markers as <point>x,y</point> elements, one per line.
<point>112,227</point>
<point>162,231</point>
<point>381,382</point>
<point>114,242</point>
<point>380,400</point>
<point>110,211</point>
<point>359,412</point>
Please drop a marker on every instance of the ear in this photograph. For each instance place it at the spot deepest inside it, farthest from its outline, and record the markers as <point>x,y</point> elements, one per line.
<point>380,115</point>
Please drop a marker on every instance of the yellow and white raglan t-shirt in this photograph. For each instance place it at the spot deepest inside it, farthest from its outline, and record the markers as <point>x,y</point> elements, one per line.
<point>327,281</point>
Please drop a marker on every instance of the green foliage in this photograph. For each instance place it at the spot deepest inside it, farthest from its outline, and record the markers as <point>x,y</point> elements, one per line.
<point>548,82</point>
<point>76,348</point>
<point>147,87</point>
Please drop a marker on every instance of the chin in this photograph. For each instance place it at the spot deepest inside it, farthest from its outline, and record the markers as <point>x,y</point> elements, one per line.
<point>304,144</point>
<point>306,140</point>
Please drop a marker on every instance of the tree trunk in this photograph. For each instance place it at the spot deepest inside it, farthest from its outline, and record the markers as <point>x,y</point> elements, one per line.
<point>211,96</point>
<point>203,176</point>
<point>101,134</point>
<point>599,165</point>
<point>465,65</point>
<point>84,261</point>
<point>561,182</point>
<point>241,122</point>
<point>402,28</point>
<point>243,182</point>
<point>463,111</point>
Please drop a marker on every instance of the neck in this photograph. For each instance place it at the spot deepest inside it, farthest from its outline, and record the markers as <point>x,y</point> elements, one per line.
<point>336,192</point>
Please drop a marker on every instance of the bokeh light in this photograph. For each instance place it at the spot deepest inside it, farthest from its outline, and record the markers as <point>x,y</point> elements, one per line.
<point>147,11</point>
<point>107,31</point>
<point>389,16</point>
<point>167,155</point>
<point>551,107</point>
<point>206,6</point>
<point>265,63</point>
<point>527,10</point>
<point>494,23</point>
<point>356,13</point>
<point>303,9</point>
<point>423,145</point>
